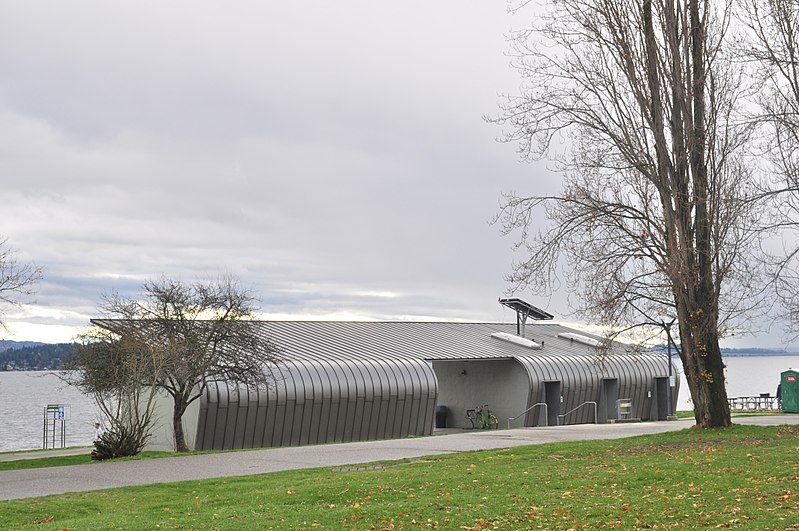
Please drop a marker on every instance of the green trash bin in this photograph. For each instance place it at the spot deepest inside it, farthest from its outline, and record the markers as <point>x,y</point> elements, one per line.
<point>789,391</point>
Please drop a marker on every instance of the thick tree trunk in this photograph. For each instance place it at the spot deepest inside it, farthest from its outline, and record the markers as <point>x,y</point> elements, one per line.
<point>177,424</point>
<point>712,410</point>
<point>684,191</point>
<point>711,407</point>
<point>704,370</point>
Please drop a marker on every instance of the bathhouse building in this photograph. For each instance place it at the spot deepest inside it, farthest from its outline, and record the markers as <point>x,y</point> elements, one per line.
<point>356,381</point>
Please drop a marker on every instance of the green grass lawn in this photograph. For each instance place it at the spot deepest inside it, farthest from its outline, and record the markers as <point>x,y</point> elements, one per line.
<point>742,478</point>
<point>82,459</point>
<point>45,462</point>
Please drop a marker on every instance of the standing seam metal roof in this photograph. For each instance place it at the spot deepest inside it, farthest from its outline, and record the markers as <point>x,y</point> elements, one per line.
<point>314,340</point>
<point>336,340</point>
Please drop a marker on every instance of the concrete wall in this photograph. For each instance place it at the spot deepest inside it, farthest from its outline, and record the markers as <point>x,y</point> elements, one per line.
<point>162,437</point>
<point>464,384</point>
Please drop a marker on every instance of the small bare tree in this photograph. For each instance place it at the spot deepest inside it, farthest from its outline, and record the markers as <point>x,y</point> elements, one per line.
<point>17,280</point>
<point>657,198</point>
<point>199,332</point>
<point>121,374</point>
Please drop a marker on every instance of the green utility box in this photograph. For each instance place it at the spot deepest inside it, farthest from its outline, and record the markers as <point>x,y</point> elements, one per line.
<point>789,391</point>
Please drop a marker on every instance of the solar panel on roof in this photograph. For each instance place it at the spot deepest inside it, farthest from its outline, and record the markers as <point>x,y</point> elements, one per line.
<point>526,309</point>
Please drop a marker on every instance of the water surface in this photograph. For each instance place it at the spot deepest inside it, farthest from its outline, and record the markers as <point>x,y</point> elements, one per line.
<point>24,395</point>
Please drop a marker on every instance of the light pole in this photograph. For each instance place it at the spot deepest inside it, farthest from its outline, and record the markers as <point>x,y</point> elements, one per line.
<point>667,327</point>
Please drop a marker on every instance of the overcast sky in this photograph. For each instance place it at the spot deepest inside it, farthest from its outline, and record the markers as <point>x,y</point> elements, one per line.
<point>331,155</point>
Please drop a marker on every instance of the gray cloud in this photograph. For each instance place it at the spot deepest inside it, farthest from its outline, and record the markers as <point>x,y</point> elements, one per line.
<point>326,153</point>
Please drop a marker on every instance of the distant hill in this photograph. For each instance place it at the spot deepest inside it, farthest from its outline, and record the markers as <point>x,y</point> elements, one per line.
<point>6,344</point>
<point>750,351</point>
<point>32,356</point>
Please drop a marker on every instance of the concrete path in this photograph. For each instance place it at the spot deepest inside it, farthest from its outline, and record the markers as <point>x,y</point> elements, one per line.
<point>45,481</point>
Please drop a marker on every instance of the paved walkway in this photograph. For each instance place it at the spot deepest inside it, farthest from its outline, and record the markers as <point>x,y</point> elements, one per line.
<point>45,481</point>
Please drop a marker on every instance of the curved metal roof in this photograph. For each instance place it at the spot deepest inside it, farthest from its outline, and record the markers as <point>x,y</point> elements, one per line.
<point>335,340</point>
<point>421,340</point>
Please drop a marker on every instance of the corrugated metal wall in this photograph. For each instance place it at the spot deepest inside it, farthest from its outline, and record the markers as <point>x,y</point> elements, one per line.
<point>315,402</point>
<point>581,380</point>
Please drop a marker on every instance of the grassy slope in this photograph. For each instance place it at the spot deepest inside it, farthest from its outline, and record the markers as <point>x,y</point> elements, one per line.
<point>82,459</point>
<point>744,477</point>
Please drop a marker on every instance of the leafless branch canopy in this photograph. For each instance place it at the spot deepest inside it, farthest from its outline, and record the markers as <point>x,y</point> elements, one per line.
<point>656,183</point>
<point>121,374</point>
<point>17,280</point>
<point>637,101</point>
<point>772,46</point>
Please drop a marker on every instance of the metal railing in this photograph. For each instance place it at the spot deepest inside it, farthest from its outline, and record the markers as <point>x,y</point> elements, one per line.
<point>546,417</point>
<point>578,407</point>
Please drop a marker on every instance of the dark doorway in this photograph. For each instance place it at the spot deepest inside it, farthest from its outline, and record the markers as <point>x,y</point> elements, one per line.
<point>607,401</point>
<point>660,399</point>
<point>552,399</point>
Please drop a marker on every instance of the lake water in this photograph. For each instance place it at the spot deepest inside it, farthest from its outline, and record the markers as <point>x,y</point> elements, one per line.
<point>745,376</point>
<point>25,395</point>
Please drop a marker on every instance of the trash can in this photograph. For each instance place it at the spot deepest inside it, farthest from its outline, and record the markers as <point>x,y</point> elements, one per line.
<point>789,391</point>
<point>441,416</point>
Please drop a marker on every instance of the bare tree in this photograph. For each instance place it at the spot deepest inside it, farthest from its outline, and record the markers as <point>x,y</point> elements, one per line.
<point>17,280</point>
<point>657,196</point>
<point>121,374</point>
<point>772,48</point>
<point>200,333</point>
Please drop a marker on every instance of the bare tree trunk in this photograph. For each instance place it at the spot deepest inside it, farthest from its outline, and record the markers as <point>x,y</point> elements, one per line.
<point>711,407</point>
<point>180,405</point>
<point>688,237</point>
<point>704,372</point>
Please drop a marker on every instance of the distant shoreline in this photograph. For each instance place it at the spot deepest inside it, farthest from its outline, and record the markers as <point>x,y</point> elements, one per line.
<point>756,352</point>
<point>741,352</point>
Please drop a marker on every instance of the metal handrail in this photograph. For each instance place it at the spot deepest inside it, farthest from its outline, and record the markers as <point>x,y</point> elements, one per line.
<point>578,407</point>
<point>546,418</point>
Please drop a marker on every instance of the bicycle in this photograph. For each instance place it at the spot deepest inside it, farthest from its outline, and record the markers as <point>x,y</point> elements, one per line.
<point>481,417</point>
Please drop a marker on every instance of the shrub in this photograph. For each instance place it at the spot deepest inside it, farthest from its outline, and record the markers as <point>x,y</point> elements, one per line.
<point>118,442</point>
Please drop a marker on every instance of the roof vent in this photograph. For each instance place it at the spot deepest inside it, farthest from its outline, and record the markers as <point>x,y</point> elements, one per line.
<point>524,342</point>
<point>585,340</point>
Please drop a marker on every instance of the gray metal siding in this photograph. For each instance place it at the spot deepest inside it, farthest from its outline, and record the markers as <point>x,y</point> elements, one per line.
<point>581,381</point>
<point>321,402</point>
<point>362,380</point>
